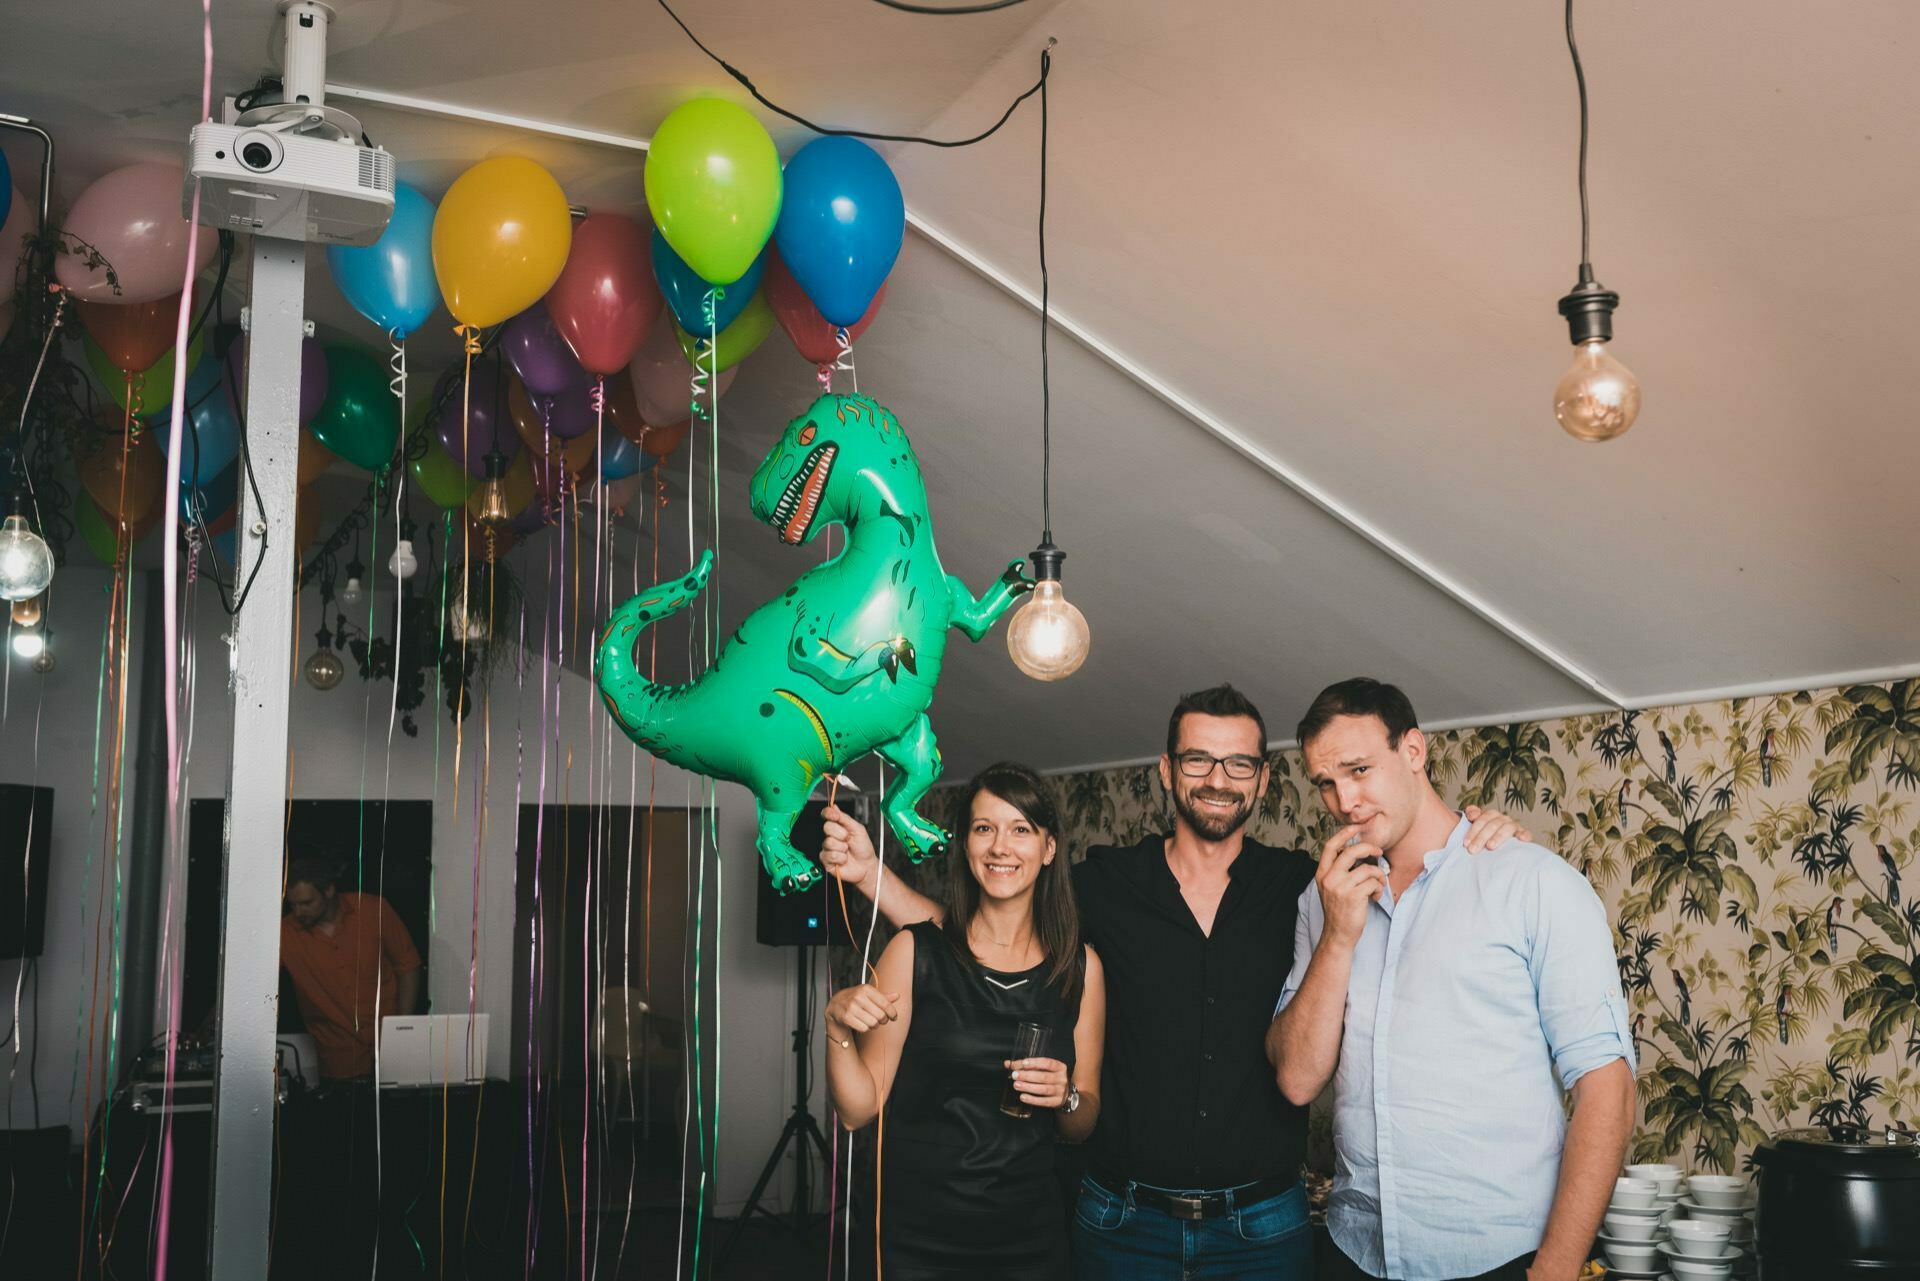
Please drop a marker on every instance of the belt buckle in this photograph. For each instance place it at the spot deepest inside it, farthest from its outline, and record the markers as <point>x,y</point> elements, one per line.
<point>1189,1208</point>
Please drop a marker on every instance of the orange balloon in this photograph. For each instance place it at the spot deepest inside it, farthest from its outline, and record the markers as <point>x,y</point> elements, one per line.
<point>306,520</point>
<point>126,478</point>
<point>662,441</point>
<point>133,335</point>
<point>315,458</point>
<point>500,239</point>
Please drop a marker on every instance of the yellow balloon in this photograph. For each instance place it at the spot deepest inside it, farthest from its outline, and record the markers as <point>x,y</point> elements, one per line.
<point>500,239</point>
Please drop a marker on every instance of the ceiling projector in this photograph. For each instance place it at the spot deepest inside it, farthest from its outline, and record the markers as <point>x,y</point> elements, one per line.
<point>294,169</point>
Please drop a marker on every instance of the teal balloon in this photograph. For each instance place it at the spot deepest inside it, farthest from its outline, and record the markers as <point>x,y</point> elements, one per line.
<point>621,458</point>
<point>215,498</point>
<point>210,419</point>
<point>842,222</point>
<point>391,281</point>
<point>686,293</point>
<point>360,418</point>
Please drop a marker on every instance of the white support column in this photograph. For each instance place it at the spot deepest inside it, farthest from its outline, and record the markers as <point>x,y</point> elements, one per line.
<point>243,1106</point>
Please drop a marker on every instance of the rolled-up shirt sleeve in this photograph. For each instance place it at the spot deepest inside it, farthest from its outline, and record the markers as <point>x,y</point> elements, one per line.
<point>1576,977</point>
<point>1306,932</point>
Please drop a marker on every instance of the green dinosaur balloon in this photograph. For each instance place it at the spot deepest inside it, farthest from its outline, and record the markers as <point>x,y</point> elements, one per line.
<point>841,664</point>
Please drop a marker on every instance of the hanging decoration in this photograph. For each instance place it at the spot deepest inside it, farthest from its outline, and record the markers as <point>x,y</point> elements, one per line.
<point>816,338</point>
<point>843,664</point>
<point>735,343</point>
<point>391,281</point>
<point>358,420</point>
<point>605,302</point>
<point>500,239</point>
<point>842,222</point>
<point>1597,398</point>
<point>713,186</point>
<point>130,220</point>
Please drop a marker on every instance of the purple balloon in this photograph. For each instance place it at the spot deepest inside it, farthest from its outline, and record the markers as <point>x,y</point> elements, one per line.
<point>532,517</point>
<point>539,354</point>
<point>570,414</point>
<point>313,375</point>
<point>486,427</point>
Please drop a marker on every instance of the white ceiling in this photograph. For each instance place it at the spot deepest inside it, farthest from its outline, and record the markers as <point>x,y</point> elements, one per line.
<point>1329,239</point>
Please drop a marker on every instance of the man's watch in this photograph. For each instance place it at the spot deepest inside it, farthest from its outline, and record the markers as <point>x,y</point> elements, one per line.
<point>1072,1104</point>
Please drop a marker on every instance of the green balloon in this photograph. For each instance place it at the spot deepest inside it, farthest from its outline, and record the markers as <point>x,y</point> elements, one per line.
<point>96,531</point>
<point>360,418</point>
<point>440,478</point>
<point>842,663</point>
<point>737,341</point>
<point>713,186</point>
<point>152,389</point>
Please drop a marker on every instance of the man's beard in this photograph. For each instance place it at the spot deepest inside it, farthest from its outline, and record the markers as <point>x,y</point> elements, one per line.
<point>1213,825</point>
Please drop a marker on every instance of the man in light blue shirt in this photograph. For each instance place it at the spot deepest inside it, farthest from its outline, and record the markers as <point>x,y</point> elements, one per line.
<point>1451,998</point>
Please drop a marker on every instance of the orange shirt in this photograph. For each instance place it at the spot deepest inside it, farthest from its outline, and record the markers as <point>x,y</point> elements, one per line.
<point>335,975</point>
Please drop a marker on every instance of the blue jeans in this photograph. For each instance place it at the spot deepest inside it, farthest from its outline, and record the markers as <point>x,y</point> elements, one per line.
<point>1117,1239</point>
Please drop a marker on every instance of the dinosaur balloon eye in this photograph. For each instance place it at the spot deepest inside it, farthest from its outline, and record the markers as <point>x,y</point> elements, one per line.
<point>806,434</point>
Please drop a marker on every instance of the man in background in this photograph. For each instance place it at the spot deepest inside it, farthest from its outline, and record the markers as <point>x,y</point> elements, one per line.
<point>351,961</point>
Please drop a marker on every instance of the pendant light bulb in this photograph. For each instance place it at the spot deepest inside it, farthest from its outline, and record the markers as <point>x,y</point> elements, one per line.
<point>324,669</point>
<point>26,562</point>
<point>494,511</point>
<point>44,663</point>
<point>403,562</point>
<point>1598,397</point>
<point>1048,638</point>
<point>26,613</point>
<point>29,643</point>
<point>352,592</point>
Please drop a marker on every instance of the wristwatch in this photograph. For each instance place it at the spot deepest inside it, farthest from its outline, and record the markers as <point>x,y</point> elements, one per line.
<point>1072,1104</point>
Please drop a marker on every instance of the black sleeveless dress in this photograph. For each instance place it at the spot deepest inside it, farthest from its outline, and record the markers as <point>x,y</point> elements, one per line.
<point>969,1191</point>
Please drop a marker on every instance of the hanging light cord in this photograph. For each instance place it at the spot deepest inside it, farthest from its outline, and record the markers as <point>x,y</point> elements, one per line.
<point>1580,79</point>
<point>1046,321</point>
<point>747,84</point>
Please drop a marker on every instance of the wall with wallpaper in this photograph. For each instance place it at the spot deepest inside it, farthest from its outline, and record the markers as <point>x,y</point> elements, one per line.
<point>1754,858</point>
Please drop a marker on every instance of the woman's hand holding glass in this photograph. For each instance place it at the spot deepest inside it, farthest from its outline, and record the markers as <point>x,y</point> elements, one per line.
<point>1041,1083</point>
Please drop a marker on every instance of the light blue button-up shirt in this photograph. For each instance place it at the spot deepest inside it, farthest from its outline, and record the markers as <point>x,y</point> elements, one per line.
<point>1491,976</point>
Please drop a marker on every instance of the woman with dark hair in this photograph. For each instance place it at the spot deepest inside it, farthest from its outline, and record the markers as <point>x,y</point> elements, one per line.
<point>968,1188</point>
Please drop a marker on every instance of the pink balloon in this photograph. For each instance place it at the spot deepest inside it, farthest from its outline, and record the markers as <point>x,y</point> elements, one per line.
<point>605,300</point>
<point>132,216</point>
<point>13,240</point>
<point>662,378</point>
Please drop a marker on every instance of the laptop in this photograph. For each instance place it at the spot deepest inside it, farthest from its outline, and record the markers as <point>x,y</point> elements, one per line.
<point>433,1049</point>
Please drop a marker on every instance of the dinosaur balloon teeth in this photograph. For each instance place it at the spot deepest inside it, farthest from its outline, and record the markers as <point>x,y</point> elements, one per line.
<point>801,500</point>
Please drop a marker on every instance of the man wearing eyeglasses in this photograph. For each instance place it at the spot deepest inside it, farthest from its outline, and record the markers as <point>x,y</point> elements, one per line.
<point>1194,1168</point>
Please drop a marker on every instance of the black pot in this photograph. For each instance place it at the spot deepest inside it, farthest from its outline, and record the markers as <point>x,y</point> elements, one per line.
<point>1839,1201</point>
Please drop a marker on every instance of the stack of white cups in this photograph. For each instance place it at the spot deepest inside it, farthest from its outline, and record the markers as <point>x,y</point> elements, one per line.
<point>1662,1225</point>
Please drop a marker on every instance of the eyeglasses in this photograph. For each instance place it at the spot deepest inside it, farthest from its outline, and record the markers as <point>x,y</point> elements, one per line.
<point>1200,764</point>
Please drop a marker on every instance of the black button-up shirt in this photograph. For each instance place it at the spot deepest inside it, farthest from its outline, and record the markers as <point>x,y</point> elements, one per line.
<point>1188,1099</point>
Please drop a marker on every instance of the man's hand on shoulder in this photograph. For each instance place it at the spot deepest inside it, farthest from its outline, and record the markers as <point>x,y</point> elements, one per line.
<point>1490,829</point>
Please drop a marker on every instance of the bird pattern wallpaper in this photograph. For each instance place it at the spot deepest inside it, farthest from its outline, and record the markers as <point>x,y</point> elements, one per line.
<point>1752,857</point>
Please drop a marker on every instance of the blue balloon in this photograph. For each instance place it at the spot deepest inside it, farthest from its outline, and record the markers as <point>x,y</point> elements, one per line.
<point>621,458</point>
<point>216,497</point>
<point>391,281</point>
<point>211,417</point>
<point>226,544</point>
<point>841,224</point>
<point>686,293</point>
<point>6,189</point>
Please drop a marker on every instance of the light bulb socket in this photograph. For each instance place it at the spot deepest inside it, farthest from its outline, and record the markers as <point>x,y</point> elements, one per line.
<point>496,465</point>
<point>1047,560</point>
<point>1589,310</point>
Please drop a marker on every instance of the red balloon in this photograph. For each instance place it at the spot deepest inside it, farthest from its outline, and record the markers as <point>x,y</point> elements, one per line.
<point>605,300</point>
<point>133,335</point>
<point>814,336</point>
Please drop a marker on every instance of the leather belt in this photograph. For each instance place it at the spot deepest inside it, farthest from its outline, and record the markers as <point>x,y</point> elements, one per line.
<point>1194,1206</point>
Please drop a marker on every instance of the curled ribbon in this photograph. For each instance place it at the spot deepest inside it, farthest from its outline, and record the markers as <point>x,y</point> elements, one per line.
<point>397,362</point>
<point>706,353</point>
<point>843,363</point>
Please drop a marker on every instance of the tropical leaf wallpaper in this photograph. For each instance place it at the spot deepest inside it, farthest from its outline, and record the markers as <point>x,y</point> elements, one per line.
<point>1751,855</point>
